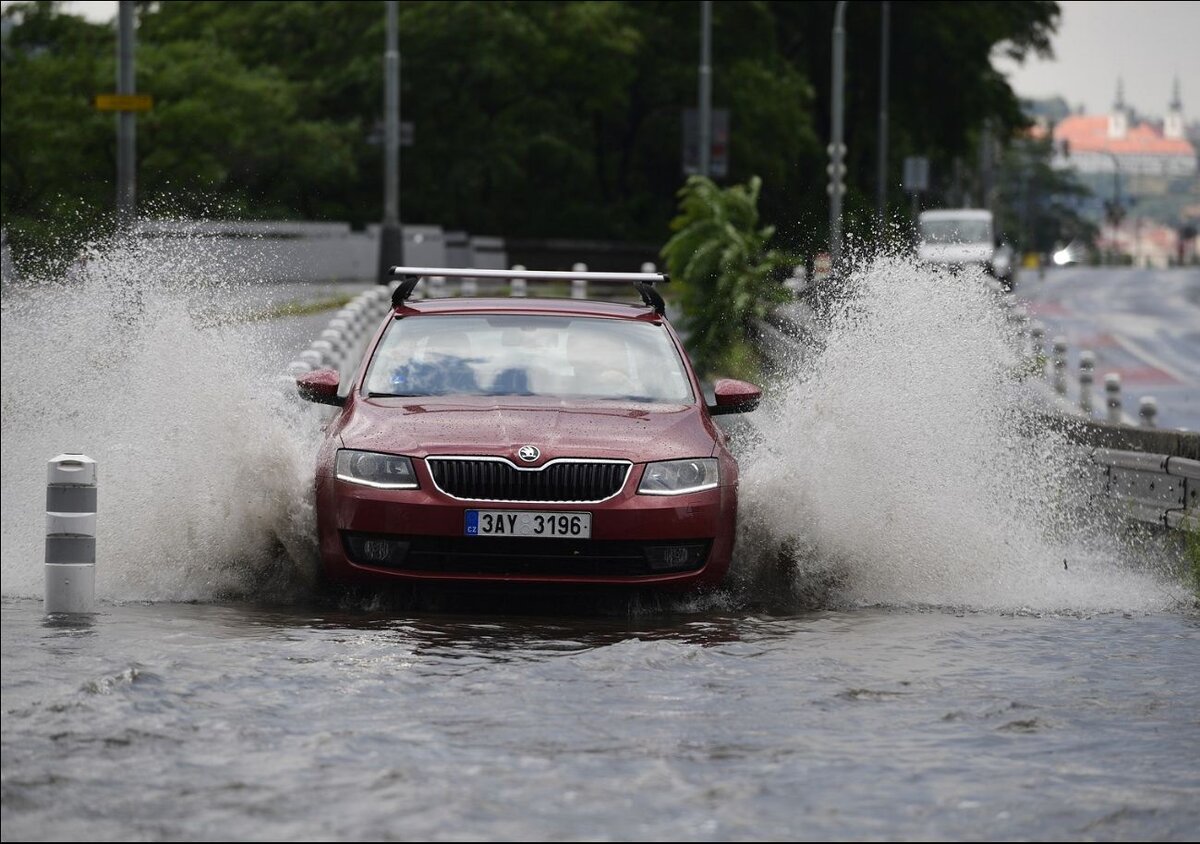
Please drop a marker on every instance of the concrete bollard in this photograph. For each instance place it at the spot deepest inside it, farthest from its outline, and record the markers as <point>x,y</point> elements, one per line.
<point>579,285</point>
<point>312,357</point>
<point>1112,397</point>
<point>337,340</point>
<point>649,267</point>
<point>1060,365</point>
<point>469,287</point>
<point>437,286</point>
<point>298,367</point>
<point>516,286</point>
<point>1147,411</point>
<point>347,328</point>
<point>1037,338</point>
<point>329,357</point>
<point>1087,376</point>
<point>70,534</point>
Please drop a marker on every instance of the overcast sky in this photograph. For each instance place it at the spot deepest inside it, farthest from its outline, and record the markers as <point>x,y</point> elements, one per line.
<point>1146,43</point>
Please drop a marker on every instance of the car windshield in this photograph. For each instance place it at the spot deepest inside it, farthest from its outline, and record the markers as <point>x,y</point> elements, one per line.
<point>528,355</point>
<point>956,231</point>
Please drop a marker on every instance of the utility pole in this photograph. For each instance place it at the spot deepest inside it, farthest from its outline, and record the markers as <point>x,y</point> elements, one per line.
<point>704,106</point>
<point>837,149</point>
<point>882,178</point>
<point>126,120</point>
<point>391,235</point>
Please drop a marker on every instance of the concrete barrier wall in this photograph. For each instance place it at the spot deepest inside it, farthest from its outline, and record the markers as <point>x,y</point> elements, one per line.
<point>303,251</point>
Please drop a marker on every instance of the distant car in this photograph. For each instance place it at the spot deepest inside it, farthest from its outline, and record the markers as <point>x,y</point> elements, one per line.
<point>528,440</point>
<point>964,237</point>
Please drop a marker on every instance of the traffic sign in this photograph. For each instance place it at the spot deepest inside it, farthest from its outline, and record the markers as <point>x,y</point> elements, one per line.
<point>123,102</point>
<point>916,174</point>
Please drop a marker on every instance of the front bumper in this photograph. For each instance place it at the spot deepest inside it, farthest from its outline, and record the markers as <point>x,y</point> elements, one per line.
<point>377,536</point>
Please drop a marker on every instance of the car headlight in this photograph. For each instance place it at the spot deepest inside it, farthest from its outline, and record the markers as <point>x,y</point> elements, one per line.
<point>382,471</point>
<point>676,477</point>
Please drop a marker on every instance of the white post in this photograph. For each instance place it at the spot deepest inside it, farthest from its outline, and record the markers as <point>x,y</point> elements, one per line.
<point>1060,365</point>
<point>516,286</point>
<point>579,285</point>
<point>1147,411</point>
<point>1037,334</point>
<point>325,348</point>
<point>1087,376</point>
<point>437,286</point>
<point>1112,390</point>
<point>469,287</point>
<point>70,534</point>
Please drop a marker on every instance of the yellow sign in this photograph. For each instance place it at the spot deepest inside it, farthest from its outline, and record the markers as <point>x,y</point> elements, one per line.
<point>124,102</point>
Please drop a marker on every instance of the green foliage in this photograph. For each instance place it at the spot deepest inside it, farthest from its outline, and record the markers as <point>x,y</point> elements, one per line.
<point>538,119</point>
<point>728,274</point>
<point>1036,203</point>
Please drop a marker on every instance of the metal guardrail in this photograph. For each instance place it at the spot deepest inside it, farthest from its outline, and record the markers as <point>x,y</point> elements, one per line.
<point>1155,488</point>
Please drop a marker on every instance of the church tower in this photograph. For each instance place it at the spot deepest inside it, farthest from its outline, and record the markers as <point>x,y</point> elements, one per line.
<point>1118,120</point>
<point>1173,125</point>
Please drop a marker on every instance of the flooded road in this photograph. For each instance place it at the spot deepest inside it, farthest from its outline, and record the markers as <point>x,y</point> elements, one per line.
<point>173,721</point>
<point>932,631</point>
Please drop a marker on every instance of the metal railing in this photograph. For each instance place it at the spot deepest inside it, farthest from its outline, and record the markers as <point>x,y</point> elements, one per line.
<point>1155,488</point>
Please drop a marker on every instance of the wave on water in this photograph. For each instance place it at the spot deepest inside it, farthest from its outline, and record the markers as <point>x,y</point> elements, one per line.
<point>896,464</point>
<point>141,357</point>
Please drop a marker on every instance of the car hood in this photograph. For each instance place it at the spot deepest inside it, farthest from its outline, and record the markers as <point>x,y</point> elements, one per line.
<point>422,427</point>
<point>955,253</point>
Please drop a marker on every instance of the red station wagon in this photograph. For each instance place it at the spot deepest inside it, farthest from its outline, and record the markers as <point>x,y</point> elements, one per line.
<point>535,440</point>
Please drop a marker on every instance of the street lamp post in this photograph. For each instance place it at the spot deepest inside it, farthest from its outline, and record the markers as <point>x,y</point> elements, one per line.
<point>704,104</point>
<point>391,235</point>
<point>126,120</point>
<point>884,45</point>
<point>837,149</point>
<point>1115,211</point>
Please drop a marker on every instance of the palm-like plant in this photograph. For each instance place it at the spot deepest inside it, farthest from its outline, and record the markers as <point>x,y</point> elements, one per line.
<point>729,277</point>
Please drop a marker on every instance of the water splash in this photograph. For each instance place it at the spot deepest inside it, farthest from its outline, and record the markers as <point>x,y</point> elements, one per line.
<point>897,465</point>
<point>139,359</point>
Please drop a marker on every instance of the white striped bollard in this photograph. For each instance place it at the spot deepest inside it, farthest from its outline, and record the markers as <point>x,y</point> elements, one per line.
<point>1147,411</point>
<point>1060,365</point>
<point>579,285</point>
<point>70,534</point>
<point>1087,377</point>
<point>1112,397</point>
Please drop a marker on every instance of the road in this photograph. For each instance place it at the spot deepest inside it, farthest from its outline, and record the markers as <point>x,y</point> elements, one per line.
<point>1143,324</point>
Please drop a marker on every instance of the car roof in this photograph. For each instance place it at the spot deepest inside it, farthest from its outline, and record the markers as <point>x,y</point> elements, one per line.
<point>561,307</point>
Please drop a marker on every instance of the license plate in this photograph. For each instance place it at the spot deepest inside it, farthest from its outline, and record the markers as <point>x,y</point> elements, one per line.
<point>529,523</point>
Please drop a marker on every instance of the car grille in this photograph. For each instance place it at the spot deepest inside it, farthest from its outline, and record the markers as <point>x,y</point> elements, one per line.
<point>486,555</point>
<point>573,481</point>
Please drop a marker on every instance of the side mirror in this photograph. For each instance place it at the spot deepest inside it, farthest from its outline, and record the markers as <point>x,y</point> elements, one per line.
<point>320,387</point>
<point>734,397</point>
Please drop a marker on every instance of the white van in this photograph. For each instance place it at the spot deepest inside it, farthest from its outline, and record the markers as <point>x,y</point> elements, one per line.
<point>962,237</point>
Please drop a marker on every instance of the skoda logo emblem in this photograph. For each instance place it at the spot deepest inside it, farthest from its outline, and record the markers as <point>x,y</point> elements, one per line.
<point>528,453</point>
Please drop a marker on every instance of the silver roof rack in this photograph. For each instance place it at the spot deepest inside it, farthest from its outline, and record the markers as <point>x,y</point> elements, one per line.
<point>644,282</point>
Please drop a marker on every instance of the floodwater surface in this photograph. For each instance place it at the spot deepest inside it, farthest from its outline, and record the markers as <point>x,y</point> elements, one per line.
<point>172,721</point>
<point>931,631</point>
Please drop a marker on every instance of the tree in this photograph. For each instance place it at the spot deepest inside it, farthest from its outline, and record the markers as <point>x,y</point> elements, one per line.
<point>1038,204</point>
<point>729,274</point>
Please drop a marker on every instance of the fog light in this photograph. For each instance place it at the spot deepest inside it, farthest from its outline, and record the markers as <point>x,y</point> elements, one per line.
<point>675,557</point>
<point>374,549</point>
